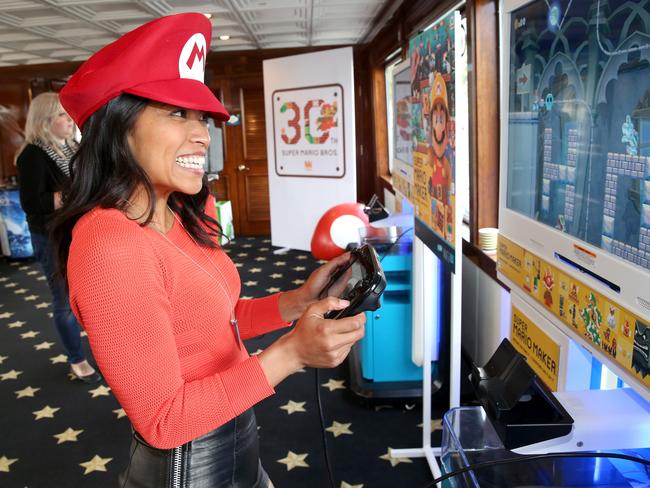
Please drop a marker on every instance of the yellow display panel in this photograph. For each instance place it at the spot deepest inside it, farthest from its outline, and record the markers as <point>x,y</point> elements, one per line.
<point>543,353</point>
<point>596,318</point>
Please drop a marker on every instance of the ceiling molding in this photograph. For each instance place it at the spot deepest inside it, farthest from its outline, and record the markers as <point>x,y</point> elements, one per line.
<point>50,31</point>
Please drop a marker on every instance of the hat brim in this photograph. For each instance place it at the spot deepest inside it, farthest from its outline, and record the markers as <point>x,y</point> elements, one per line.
<point>185,93</point>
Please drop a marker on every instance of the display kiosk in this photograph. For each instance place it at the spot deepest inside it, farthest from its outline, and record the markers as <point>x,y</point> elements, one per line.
<point>574,249</point>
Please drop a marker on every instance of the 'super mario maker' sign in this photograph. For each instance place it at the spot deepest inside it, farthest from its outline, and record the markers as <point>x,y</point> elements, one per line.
<point>308,131</point>
<point>600,321</point>
<point>542,352</point>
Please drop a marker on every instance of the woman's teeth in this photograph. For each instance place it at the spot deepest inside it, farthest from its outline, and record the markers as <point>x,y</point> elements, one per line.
<point>191,162</point>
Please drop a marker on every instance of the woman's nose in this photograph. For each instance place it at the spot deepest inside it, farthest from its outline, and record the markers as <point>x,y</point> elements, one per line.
<point>200,133</point>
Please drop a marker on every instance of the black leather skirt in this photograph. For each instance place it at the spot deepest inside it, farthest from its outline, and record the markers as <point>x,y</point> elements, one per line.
<point>227,457</point>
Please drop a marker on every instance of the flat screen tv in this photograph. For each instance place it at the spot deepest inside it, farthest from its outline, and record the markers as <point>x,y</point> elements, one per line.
<point>575,140</point>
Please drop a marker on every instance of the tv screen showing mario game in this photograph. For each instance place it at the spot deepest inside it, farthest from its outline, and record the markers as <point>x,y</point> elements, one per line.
<point>579,121</point>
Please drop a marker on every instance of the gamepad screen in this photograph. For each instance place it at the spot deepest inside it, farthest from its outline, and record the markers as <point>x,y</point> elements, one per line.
<point>344,282</point>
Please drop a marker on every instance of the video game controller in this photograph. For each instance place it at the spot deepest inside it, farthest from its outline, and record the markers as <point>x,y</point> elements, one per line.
<point>364,282</point>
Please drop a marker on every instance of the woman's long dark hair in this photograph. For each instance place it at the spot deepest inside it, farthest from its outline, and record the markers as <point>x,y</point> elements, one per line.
<point>105,174</point>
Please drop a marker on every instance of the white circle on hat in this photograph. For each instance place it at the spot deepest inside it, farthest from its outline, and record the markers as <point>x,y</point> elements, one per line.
<point>191,62</point>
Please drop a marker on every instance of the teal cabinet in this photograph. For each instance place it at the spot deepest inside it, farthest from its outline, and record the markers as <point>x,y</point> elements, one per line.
<point>385,351</point>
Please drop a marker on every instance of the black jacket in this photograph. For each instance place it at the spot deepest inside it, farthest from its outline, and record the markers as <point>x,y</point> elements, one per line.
<point>39,178</point>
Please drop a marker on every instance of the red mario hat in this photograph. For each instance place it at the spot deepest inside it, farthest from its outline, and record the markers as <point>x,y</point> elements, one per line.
<point>162,60</point>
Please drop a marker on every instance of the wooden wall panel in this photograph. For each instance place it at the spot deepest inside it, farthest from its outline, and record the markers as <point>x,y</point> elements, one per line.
<point>253,120</point>
<point>484,131</point>
<point>13,108</point>
<point>221,187</point>
<point>257,190</point>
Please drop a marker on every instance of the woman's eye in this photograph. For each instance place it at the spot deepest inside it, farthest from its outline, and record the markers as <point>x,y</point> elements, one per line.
<point>179,113</point>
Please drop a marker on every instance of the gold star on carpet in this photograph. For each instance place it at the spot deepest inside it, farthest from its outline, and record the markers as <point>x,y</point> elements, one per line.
<point>275,276</point>
<point>3,279</point>
<point>46,412</point>
<point>332,385</point>
<point>43,345</point>
<point>298,282</point>
<point>246,297</point>
<point>2,359</point>
<point>21,291</point>
<point>26,392</point>
<point>250,283</point>
<point>299,268</point>
<point>61,358</point>
<point>69,435</point>
<point>239,265</point>
<point>255,270</point>
<point>436,424</point>
<point>24,268</point>
<point>339,429</point>
<point>293,407</point>
<point>273,289</point>
<point>11,285</point>
<point>5,315</point>
<point>29,335</point>
<point>16,324</point>
<point>347,485</point>
<point>247,246</point>
<point>50,314</point>
<point>260,258</point>
<point>5,462</point>
<point>10,375</point>
<point>394,461</point>
<point>83,333</point>
<point>263,249</point>
<point>242,254</point>
<point>294,460</point>
<point>302,256</point>
<point>280,263</point>
<point>30,298</point>
<point>95,464</point>
<point>120,413</point>
<point>322,261</point>
<point>42,305</point>
<point>33,272</point>
<point>100,391</point>
<point>41,278</point>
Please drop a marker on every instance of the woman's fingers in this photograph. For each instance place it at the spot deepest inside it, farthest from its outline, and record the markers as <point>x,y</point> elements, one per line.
<point>321,307</point>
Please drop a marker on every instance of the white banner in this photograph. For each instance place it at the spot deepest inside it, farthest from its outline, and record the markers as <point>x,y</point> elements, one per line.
<point>309,104</point>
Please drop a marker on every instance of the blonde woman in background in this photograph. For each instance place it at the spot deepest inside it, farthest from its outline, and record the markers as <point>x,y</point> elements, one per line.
<point>43,169</point>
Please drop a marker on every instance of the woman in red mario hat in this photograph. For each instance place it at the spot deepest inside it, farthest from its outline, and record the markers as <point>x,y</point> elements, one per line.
<point>158,297</point>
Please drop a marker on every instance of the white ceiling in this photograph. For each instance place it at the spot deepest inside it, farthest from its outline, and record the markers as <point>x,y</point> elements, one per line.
<point>50,31</point>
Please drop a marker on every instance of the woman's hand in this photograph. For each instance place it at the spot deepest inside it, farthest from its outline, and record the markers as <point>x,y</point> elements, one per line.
<point>315,341</point>
<point>294,303</point>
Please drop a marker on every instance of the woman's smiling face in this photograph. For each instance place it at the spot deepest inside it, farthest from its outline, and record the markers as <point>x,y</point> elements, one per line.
<point>170,144</point>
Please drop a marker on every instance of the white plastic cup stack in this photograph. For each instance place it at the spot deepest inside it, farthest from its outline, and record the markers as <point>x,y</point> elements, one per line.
<point>487,239</point>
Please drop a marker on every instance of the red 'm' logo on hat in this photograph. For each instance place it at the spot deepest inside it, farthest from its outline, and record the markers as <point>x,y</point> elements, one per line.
<point>196,53</point>
<point>191,61</point>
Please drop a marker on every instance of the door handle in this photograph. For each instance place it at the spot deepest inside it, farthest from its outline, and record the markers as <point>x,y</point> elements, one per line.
<point>242,167</point>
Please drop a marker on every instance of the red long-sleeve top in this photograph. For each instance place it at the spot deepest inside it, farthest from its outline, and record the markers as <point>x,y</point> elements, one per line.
<point>159,326</point>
